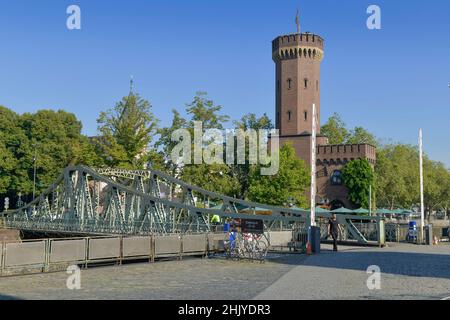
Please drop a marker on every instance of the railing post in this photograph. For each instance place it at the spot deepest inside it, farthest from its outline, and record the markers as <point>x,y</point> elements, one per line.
<point>2,248</point>
<point>381,233</point>
<point>47,255</point>
<point>121,250</point>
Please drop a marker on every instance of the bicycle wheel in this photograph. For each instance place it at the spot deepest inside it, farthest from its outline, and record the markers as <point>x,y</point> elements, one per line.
<point>261,250</point>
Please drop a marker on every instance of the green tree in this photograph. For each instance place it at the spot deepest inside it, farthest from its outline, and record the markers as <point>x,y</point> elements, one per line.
<point>359,135</point>
<point>15,156</point>
<point>164,146</point>
<point>358,176</point>
<point>242,171</point>
<point>215,177</point>
<point>204,110</point>
<point>54,136</point>
<point>126,132</point>
<point>436,186</point>
<point>335,130</point>
<point>290,183</point>
<point>397,176</point>
<point>252,121</point>
<point>57,138</point>
<point>338,133</point>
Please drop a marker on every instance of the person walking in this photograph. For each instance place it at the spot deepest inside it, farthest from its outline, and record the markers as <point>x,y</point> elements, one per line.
<point>333,230</point>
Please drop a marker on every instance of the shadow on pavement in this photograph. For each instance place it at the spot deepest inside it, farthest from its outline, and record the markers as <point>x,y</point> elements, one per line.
<point>6,297</point>
<point>398,263</point>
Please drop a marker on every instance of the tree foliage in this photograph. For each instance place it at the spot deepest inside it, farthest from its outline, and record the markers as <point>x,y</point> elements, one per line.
<point>215,177</point>
<point>397,171</point>
<point>338,133</point>
<point>126,133</point>
<point>242,171</point>
<point>359,135</point>
<point>52,138</point>
<point>335,129</point>
<point>290,182</point>
<point>15,155</point>
<point>398,179</point>
<point>358,176</point>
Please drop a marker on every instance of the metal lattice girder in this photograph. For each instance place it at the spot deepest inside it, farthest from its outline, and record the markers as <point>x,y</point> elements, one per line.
<point>134,202</point>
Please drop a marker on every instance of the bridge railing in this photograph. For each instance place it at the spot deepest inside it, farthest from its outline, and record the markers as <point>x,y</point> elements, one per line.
<point>46,255</point>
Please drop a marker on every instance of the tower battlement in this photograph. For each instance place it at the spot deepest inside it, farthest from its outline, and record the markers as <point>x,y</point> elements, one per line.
<point>341,154</point>
<point>297,46</point>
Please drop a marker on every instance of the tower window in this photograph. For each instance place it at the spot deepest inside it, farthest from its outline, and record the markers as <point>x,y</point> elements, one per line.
<point>306,115</point>
<point>289,81</point>
<point>317,85</point>
<point>306,83</point>
<point>289,115</point>
<point>336,178</point>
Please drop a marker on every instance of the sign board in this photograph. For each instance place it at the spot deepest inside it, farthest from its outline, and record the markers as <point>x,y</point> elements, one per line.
<point>252,226</point>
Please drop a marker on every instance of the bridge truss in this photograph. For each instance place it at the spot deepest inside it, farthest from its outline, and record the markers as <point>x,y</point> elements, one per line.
<point>144,202</point>
<point>135,202</point>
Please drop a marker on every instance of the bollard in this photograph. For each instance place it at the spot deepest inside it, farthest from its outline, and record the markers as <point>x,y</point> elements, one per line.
<point>315,239</point>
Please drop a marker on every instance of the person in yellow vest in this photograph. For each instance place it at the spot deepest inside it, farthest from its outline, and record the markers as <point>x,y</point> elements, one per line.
<point>215,221</point>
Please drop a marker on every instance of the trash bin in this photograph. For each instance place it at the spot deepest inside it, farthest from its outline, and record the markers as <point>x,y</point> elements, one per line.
<point>315,239</point>
<point>412,233</point>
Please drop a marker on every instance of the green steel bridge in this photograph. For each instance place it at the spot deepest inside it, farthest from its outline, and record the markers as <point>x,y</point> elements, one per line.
<point>149,202</point>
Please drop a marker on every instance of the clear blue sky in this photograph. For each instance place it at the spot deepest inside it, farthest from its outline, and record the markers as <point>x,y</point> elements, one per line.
<point>391,81</point>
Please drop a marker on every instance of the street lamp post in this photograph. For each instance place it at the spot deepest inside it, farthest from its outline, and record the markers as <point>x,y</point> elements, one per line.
<point>34,171</point>
<point>422,207</point>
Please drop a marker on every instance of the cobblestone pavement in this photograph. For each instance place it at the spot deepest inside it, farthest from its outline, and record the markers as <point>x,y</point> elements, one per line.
<point>408,272</point>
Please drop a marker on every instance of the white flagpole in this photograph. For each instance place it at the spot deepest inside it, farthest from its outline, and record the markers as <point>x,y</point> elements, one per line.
<point>422,209</point>
<point>313,167</point>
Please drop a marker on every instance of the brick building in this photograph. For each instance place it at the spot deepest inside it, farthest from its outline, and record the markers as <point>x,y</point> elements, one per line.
<point>298,60</point>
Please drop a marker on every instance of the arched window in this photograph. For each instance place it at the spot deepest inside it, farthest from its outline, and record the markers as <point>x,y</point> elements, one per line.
<point>289,81</point>
<point>336,178</point>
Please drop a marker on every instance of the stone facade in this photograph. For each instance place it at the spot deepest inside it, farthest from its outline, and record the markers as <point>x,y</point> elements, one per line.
<point>297,59</point>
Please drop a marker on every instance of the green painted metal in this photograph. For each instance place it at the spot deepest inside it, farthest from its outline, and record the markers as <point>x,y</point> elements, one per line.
<point>361,211</point>
<point>141,202</point>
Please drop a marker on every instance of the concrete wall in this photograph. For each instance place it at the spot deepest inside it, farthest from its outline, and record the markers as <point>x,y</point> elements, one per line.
<point>7,235</point>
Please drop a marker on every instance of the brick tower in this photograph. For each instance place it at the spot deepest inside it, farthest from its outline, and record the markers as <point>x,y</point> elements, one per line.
<point>297,58</point>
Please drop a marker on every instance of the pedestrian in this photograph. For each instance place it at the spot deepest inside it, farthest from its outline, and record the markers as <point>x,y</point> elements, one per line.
<point>333,230</point>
